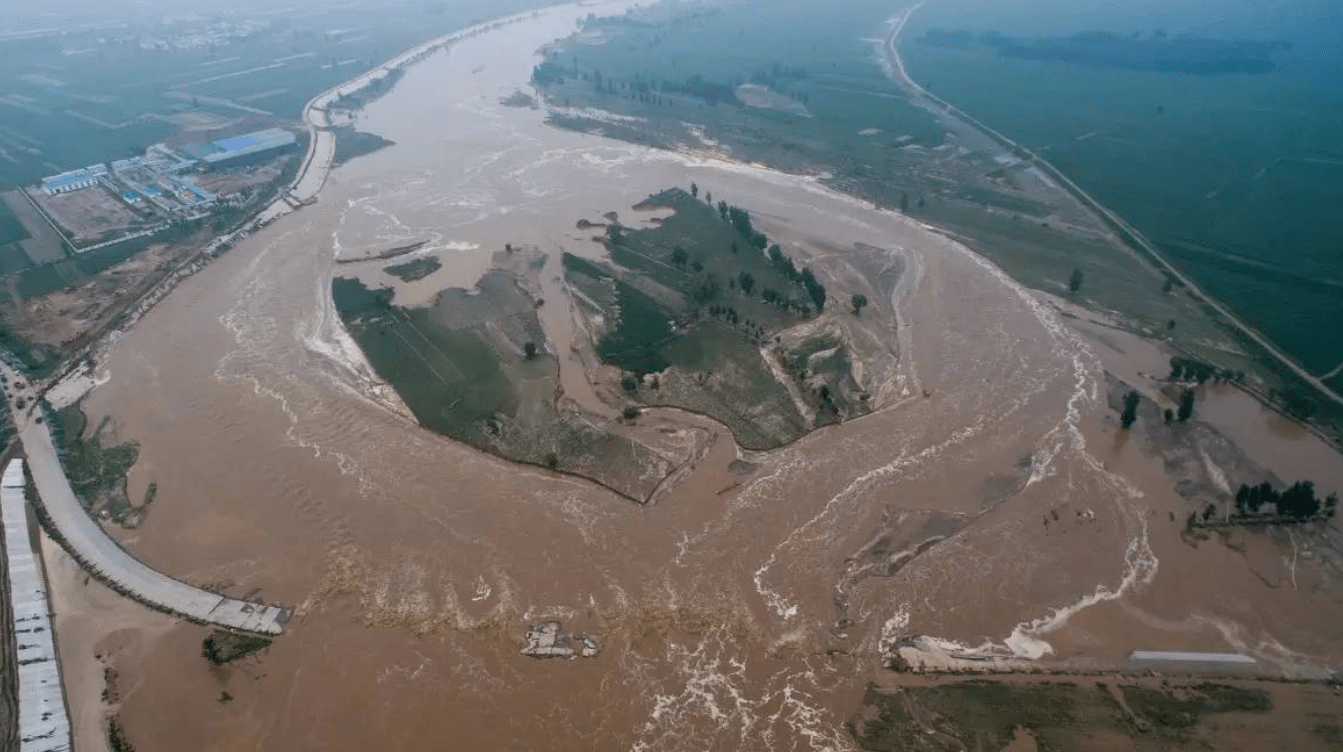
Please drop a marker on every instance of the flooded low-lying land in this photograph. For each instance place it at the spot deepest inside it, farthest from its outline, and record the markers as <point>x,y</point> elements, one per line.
<point>982,510</point>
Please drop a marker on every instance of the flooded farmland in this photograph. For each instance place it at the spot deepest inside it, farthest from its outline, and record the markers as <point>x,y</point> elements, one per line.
<point>987,510</point>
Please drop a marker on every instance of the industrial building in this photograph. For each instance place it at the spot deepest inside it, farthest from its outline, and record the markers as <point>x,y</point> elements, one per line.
<point>74,180</point>
<point>239,151</point>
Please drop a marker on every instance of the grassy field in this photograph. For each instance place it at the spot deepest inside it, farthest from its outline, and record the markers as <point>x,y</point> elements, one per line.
<point>696,300</point>
<point>450,378</point>
<point>11,229</point>
<point>1060,715</point>
<point>97,473</point>
<point>462,366</point>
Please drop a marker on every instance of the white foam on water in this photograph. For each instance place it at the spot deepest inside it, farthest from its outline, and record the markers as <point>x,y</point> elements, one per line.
<point>712,701</point>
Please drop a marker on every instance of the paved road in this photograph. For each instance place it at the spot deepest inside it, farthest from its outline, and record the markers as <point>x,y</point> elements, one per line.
<point>100,555</point>
<point>1127,232</point>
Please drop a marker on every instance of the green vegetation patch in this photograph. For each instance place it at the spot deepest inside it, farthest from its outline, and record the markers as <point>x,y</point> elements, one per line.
<point>13,259</point>
<point>11,228</point>
<point>823,368</point>
<point>983,714</point>
<point>721,374</point>
<point>449,377</point>
<point>97,472</point>
<point>695,298</point>
<point>416,269</point>
<point>644,327</point>
<point>1175,714</point>
<point>38,360</point>
<point>351,143</point>
<point>225,647</point>
<point>473,366</point>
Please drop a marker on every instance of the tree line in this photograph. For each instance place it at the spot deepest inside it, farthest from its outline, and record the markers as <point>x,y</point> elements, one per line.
<point>1192,369</point>
<point>1128,415</point>
<point>740,219</point>
<point>1297,502</point>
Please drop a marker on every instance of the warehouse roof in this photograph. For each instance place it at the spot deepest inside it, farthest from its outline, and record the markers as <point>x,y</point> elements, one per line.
<point>252,142</point>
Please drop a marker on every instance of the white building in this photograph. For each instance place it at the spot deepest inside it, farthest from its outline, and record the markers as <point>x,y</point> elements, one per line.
<point>73,180</point>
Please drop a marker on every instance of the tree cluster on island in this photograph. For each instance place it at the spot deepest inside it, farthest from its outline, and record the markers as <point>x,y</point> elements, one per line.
<point>1132,399</point>
<point>648,90</point>
<point>1262,504</point>
<point>740,219</point>
<point>1129,415</point>
<point>1297,502</point>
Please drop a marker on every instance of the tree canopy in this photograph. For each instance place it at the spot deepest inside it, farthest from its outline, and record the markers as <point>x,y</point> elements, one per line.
<point>1130,413</point>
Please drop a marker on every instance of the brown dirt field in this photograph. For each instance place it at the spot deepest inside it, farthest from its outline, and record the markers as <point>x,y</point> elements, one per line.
<point>59,318</point>
<point>88,214</point>
<point>223,184</point>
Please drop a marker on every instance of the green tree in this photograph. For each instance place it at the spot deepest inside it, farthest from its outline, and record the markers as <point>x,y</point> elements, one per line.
<point>1186,405</point>
<point>859,301</point>
<point>529,350</point>
<point>629,382</point>
<point>1130,413</point>
<point>746,282</point>
<point>1299,501</point>
<point>1075,281</point>
<point>814,288</point>
<point>694,191</point>
<point>904,203</point>
<point>679,256</point>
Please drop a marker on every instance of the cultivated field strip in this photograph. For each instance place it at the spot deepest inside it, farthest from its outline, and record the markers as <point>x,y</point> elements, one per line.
<point>44,725</point>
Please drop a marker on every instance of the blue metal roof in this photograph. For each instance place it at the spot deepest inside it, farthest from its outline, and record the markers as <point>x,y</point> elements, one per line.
<point>71,178</point>
<point>266,139</point>
<point>238,143</point>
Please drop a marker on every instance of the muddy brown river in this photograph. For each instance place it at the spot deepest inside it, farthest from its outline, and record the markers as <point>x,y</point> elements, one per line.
<point>416,563</point>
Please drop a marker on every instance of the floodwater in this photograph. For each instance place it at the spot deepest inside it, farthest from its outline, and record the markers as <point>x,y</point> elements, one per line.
<point>417,563</point>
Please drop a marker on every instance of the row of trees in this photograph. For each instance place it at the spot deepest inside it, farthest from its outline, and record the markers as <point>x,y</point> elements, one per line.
<point>1192,369</point>
<point>815,290</point>
<point>740,219</point>
<point>1129,414</point>
<point>741,222</point>
<point>1297,502</point>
